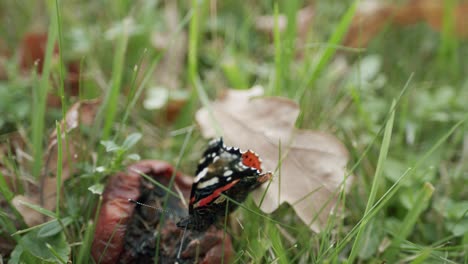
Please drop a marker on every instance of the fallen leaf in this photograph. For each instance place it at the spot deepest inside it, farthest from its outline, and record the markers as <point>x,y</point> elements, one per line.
<point>3,57</point>
<point>32,53</point>
<point>312,163</point>
<point>372,16</point>
<point>33,49</point>
<point>31,217</point>
<point>125,232</point>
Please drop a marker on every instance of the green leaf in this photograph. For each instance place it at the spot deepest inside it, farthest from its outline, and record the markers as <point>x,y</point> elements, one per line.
<point>15,256</point>
<point>97,188</point>
<point>134,156</point>
<point>458,228</point>
<point>370,245</point>
<point>37,246</point>
<point>110,145</point>
<point>54,227</point>
<point>4,189</point>
<point>131,140</point>
<point>38,208</point>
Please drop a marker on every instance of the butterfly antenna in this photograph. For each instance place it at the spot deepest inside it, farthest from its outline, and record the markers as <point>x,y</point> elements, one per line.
<point>181,244</point>
<point>142,204</point>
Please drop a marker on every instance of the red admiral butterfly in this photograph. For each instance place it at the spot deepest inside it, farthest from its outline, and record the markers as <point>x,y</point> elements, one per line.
<point>221,170</point>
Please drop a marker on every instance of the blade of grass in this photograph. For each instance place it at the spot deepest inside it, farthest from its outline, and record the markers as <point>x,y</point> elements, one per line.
<point>7,225</point>
<point>26,230</point>
<point>233,72</point>
<point>447,53</point>
<point>193,40</point>
<point>61,88</point>
<point>394,188</point>
<point>465,245</point>
<point>109,241</point>
<point>8,195</point>
<point>156,183</point>
<point>59,168</point>
<point>330,50</point>
<point>186,116</point>
<point>84,253</point>
<point>422,256</point>
<point>290,34</point>
<point>277,245</point>
<point>38,209</point>
<point>52,250</point>
<point>376,182</point>
<point>278,54</point>
<point>226,214</point>
<point>422,201</point>
<point>240,205</point>
<point>39,105</point>
<point>110,105</point>
<point>166,197</point>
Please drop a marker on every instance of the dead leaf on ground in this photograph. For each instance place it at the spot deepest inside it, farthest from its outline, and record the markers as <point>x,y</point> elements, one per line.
<point>312,163</point>
<point>3,57</point>
<point>81,113</point>
<point>32,54</point>
<point>33,49</point>
<point>125,233</point>
<point>372,16</point>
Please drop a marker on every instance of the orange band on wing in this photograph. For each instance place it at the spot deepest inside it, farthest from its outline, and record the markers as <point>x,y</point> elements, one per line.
<point>216,193</point>
<point>250,159</point>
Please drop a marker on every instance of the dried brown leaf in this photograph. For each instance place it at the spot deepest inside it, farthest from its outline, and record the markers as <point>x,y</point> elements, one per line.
<point>312,163</point>
<point>372,16</point>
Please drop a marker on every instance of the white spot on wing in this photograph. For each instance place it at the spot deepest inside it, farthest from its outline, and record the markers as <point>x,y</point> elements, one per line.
<point>227,173</point>
<point>202,160</point>
<point>207,183</point>
<point>200,175</point>
<point>213,141</point>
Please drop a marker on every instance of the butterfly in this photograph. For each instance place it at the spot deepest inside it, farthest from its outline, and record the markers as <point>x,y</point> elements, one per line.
<point>222,171</point>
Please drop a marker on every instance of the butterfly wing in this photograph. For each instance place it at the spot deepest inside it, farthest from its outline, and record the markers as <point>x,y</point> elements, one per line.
<point>221,170</point>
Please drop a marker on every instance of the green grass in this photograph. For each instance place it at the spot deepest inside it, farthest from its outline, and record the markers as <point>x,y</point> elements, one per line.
<point>399,107</point>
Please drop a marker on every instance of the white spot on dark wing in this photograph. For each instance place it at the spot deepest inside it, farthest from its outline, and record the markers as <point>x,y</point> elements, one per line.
<point>200,175</point>
<point>227,173</point>
<point>229,179</point>
<point>240,166</point>
<point>207,183</point>
<point>215,159</point>
<point>213,141</point>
